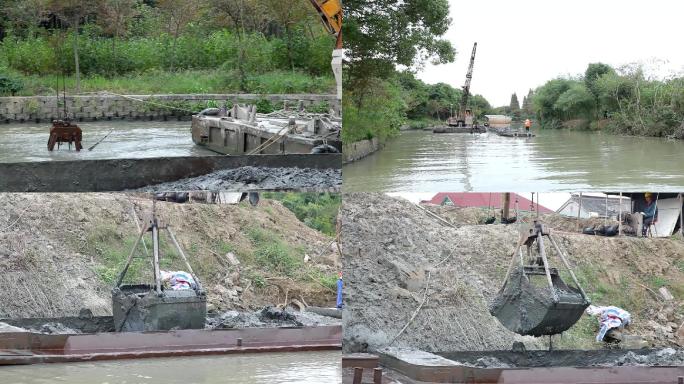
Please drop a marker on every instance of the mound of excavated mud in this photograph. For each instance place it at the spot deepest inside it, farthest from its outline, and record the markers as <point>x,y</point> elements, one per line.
<point>54,249</point>
<point>390,249</point>
<point>252,178</point>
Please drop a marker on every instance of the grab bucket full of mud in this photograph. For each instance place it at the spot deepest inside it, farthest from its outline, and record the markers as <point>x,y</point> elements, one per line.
<point>534,300</point>
<point>138,307</point>
<point>532,309</point>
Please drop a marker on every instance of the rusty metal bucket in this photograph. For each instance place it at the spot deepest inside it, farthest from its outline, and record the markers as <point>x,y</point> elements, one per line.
<point>529,309</point>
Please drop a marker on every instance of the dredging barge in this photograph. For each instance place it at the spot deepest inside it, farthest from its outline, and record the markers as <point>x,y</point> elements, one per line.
<point>18,348</point>
<point>242,131</point>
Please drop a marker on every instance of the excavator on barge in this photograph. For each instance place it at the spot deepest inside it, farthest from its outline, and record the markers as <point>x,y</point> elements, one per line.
<point>240,130</point>
<point>464,121</point>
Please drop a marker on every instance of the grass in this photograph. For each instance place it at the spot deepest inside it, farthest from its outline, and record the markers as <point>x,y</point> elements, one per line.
<point>659,281</point>
<point>423,123</point>
<point>624,294</point>
<point>327,280</point>
<point>111,249</point>
<point>188,81</point>
<point>273,254</point>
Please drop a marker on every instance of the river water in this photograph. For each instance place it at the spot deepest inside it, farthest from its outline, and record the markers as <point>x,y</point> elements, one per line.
<point>554,160</point>
<point>129,139</point>
<point>273,368</point>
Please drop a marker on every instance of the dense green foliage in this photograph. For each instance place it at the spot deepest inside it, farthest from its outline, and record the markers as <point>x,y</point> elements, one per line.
<point>379,37</point>
<point>260,46</point>
<point>381,34</point>
<point>316,210</point>
<point>380,112</point>
<point>622,101</point>
<point>10,85</point>
<point>401,100</point>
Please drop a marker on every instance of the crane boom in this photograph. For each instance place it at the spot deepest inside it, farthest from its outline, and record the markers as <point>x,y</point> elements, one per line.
<point>463,117</point>
<point>466,86</point>
<point>330,12</point>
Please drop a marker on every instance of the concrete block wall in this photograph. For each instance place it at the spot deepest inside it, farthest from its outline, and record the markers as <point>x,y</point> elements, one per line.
<point>109,107</point>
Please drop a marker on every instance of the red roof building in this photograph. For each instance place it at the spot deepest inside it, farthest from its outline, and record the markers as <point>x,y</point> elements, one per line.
<point>483,200</point>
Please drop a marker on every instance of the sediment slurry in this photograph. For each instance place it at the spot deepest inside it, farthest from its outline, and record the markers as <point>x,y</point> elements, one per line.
<point>266,317</point>
<point>392,249</point>
<point>262,178</point>
<point>527,309</point>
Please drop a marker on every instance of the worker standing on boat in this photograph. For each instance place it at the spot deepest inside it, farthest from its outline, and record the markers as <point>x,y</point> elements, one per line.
<point>528,124</point>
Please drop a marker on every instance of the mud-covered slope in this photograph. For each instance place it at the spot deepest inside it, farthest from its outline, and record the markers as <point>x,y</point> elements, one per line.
<point>60,252</point>
<point>389,245</point>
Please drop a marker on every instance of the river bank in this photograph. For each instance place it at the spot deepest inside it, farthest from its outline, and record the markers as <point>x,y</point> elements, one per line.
<point>554,160</point>
<point>82,241</point>
<point>396,246</point>
<point>108,106</point>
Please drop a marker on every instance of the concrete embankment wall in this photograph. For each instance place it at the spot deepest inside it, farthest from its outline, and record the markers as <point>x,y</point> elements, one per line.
<point>111,107</point>
<point>359,149</point>
<point>119,174</point>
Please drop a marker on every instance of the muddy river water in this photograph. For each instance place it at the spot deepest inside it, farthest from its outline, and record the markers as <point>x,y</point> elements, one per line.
<point>554,160</point>
<point>274,368</point>
<point>129,139</point>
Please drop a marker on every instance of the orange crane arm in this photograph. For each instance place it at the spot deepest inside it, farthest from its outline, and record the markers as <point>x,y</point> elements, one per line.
<point>330,12</point>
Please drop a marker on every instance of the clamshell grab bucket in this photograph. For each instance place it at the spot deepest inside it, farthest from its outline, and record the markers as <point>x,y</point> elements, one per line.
<point>534,300</point>
<point>532,310</point>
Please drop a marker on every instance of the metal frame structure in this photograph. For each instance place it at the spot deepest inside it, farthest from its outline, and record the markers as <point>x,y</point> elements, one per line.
<point>153,225</point>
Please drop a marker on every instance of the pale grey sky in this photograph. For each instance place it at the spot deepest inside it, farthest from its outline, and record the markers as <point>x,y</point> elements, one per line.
<point>522,44</point>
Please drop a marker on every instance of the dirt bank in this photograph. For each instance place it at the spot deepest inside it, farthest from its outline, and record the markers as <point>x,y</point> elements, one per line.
<point>391,249</point>
<point>257,178</point>
<point>60,253</point>
<point>459,216</point>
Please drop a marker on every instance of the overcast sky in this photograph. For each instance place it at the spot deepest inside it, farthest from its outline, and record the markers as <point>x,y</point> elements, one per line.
<point>522,44</point>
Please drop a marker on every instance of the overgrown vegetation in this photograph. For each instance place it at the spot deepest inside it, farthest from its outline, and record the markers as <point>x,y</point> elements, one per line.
<point>381,36</point>
<point>261,46</point>
<point>620,100</point>
<point>316,210</point>
<point>113,249</point>
<point>274,254</point>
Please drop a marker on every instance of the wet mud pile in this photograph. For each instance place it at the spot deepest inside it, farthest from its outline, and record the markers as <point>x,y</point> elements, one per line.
<point>257,178</point>
<point>270,317</point>
<point>568,358</point>
<point>266,317</point>
<point>389,247</point>
<point>392,249</point>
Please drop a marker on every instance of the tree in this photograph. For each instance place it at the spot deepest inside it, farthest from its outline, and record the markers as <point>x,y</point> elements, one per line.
<point>591,75</point>
<point>288,14</point>
<point>178,14</point>
<point>115,17</point>
<point>527,103</point>
<point>545,98</point>
<point>381,34</point>
<point>515,105</point>
<point>73,11</point>
<point>23,15</point>
<point>575,101</point>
